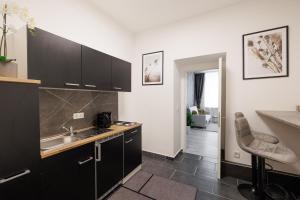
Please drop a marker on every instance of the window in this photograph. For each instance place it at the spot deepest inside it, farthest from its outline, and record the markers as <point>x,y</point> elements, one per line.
<point>211,89</point>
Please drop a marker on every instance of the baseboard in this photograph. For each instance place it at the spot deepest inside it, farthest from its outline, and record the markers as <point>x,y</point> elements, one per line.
<point>290,181</point>
<point>131,174</point>
<point>162,156</point>
<point>156,155</point>
<point>235,170</point>
<point>176,155</point>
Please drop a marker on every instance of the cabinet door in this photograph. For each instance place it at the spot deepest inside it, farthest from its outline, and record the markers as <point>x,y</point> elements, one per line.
<point>132,150</point>
<point>69,175</point>
<point>19,141</point>
<point>96,69</point>
<point>110,166</point>
<point>54,60</point>
<point>86,184</point>
<point>121,75</point>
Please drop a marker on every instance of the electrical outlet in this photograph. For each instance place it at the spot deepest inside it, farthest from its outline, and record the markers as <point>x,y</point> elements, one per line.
<point>78,115</point>
<point>237,155</point>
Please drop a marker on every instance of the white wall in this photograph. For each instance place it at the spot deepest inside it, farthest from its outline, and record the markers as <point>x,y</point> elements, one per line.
<point>219,31</point>
<point>82,22</point>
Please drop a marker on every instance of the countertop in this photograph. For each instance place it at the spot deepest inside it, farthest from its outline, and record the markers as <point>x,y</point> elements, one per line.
<point>291,118</point>
<point>18,80</point>
<point>115,130</point>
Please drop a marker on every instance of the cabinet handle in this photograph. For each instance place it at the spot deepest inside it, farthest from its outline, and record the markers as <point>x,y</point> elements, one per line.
<point>72,84</point>
<point>98,152</point>
<point>85,161</point>
<point>128,141</point>
<point>117,88</point>
<point>135,131</point>
<point>4,180</point>
<point>90,86</point>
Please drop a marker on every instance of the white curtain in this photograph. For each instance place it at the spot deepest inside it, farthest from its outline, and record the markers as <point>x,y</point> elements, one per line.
<point>190,89</point>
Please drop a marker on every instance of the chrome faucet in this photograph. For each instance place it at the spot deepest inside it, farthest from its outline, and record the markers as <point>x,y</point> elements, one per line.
<point>70,130</point>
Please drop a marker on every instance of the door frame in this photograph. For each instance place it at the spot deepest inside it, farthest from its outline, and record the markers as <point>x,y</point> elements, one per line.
<point>219,60</point>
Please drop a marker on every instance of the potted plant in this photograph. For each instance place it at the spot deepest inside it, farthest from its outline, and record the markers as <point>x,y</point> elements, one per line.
<point>189,120</point>
<point>13,11</point>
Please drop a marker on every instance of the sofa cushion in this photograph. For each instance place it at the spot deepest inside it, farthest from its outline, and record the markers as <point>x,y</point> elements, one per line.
<point>193,108</point>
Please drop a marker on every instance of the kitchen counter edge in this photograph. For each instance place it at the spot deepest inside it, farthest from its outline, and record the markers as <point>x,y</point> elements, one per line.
<point>116,130</point>
<point>18,80</point>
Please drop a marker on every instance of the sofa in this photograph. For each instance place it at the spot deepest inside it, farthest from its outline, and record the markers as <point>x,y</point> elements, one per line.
<point>199,120</point>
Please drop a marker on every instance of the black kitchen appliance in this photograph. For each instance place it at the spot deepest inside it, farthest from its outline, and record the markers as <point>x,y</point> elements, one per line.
<point>109,164</point>
<point>103,120</point>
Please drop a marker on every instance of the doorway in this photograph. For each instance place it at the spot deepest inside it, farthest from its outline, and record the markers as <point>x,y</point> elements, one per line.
<point>210,145</point>
<point>202,114</point>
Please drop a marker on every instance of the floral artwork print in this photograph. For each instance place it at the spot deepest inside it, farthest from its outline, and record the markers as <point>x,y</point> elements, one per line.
<point>268,49</point>
<point>265,54</point>
<point>153,68</point>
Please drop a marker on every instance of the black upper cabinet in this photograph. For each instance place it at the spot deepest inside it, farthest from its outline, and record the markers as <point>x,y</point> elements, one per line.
<point>61,63</point>
<point>96,69</point>
<point>54,60</point>
<point>121,75</point>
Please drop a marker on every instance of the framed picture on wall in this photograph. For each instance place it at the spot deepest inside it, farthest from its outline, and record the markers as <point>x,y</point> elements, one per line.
<point>265,54</point>
<point>152,72</point>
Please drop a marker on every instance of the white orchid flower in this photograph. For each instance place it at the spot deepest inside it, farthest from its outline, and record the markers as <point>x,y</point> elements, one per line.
<point>31,23</point>
<point>24,14</point>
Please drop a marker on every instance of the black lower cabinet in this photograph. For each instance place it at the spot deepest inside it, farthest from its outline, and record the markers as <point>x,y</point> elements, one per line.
<point>109,164</point>
<point>19,141</point>
<point>132,150</point>
<point>69,175</point>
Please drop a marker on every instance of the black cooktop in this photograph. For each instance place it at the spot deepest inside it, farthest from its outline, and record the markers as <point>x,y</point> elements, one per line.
<point>92,132</point>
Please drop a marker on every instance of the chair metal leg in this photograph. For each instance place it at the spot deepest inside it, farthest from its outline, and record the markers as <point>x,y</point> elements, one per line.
<point>249,191</point>
<point>261,176</point>
<point>259,190</point>
<point>254,172</point>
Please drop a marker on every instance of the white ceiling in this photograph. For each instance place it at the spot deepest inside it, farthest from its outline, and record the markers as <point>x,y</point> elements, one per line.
<point>139,15</point>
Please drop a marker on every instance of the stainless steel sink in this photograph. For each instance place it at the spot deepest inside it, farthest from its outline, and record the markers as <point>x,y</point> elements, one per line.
<point>57,142</point>
<point>54,142</point>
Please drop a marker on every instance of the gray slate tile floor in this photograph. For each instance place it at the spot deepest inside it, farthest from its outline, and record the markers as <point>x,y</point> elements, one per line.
<point>191,170</point>
<point>196,171</point>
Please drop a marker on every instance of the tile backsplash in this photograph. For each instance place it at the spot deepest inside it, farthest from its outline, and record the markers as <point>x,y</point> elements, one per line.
<point>57,108</point>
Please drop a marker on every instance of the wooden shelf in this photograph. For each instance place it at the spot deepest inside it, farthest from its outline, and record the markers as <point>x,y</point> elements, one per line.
<point>291,118</point>
<point>18,80</point>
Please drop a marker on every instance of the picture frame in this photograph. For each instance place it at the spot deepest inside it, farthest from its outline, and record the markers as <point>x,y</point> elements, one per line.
<point>152,68</point>
<point>266,54</point>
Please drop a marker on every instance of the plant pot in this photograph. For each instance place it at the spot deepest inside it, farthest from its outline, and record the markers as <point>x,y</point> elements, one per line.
<point>188,129</point>
<point>9,69</point>
<point>3,58</point>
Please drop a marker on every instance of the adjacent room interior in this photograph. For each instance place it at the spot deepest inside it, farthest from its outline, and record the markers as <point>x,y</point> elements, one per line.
<point>202,113</point>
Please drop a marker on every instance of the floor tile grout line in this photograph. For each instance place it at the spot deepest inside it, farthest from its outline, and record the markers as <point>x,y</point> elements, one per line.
<point>145,183</point>
<point>171,176</point>
<point>195,171</point>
